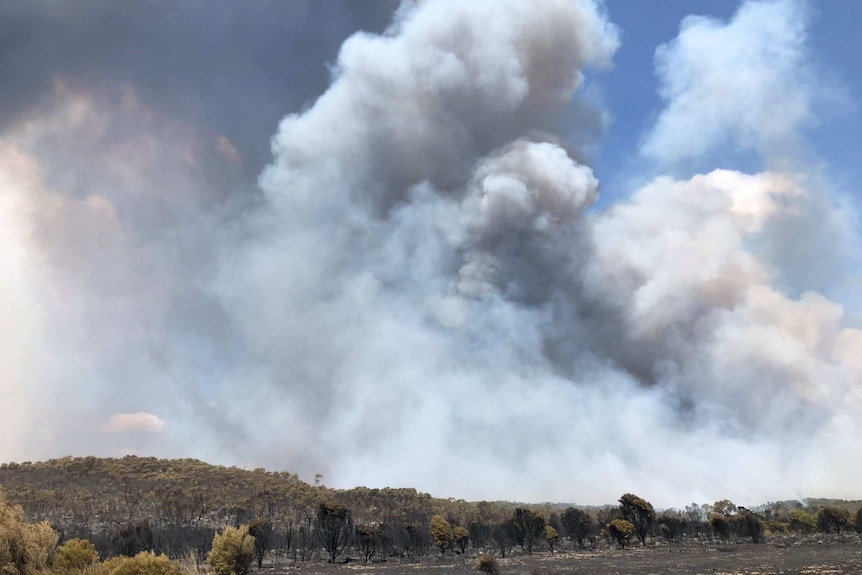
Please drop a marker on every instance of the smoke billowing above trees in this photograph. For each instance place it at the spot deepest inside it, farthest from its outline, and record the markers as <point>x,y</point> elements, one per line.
<point>423,291</point>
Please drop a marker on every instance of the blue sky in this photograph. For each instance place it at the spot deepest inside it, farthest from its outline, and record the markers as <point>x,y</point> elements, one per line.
<point>631,88</point>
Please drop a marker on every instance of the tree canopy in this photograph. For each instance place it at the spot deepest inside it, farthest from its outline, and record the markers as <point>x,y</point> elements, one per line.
<point>639,512</point>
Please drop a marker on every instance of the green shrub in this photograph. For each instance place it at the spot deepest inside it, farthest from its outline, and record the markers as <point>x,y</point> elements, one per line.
<point>232,551</point>
<point>24,547</point>
<point>75,555</point>
<point>802,522</point>
<point>144,563</point>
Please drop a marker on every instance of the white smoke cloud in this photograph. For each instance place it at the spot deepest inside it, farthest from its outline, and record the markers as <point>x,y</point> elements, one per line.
<point>20,320</point>
<point>101,252</point>
<point>426,259</point>
<point>427,295</point>
<point>749,86</point>
<point>746,83</point>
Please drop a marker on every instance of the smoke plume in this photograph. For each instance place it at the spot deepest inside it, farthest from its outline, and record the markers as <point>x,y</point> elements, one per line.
<point>422,292</point>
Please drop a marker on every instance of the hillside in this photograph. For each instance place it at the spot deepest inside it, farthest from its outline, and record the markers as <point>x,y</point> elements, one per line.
<point>129,504</point>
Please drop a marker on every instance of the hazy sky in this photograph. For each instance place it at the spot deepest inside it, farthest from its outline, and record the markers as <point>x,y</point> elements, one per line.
<point>555,250</point>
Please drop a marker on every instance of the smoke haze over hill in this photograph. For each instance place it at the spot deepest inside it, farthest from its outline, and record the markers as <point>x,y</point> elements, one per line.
<point>420,289</point>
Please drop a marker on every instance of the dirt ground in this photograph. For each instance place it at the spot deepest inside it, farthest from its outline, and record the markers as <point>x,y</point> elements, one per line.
<point>806,558</point>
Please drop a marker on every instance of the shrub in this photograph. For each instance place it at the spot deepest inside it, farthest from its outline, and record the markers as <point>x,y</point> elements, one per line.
<point>487,564</point>
<point>75,555</point>
<point>24,547</point>
<point>802,522</point>
<point>189,564</point>
<point>232,551</point>
<point>622,531</point>
<point>144,563</point>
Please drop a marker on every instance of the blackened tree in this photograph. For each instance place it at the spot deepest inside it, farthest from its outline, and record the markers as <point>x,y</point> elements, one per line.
<point>261,529</point>
<point>639,512</point>
<point>529,527</point>
<point>461,537</point>
<point>831,519</point>
<point>751,524</point>
<point>335,524</point>
<point>369,540</point>
<point>504,536</point>
<point>551,537</point>
<point>720,525</point>
<point>621,531</point>
<point>578,525</point>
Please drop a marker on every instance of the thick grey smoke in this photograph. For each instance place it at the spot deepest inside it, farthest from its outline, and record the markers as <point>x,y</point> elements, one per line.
<point>425,295</point>
<point>131,136</point>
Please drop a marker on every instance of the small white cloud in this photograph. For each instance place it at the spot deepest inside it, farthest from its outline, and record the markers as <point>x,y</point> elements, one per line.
<point>141,421</point>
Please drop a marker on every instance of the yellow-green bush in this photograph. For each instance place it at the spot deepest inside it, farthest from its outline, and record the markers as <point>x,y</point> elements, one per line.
<point>232,551</point>
<point>144,563</point>
<point>75,555</point>
<point>25,548</point>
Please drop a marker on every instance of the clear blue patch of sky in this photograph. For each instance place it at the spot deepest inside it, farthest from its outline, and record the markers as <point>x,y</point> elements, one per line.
<point>836,45</point>
<point>630,90</point>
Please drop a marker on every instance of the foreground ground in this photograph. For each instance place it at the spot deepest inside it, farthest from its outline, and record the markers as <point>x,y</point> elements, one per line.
<point>807,558</point>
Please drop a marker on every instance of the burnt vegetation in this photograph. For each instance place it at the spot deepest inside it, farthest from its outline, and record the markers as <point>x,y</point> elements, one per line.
<point>91,514</point>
